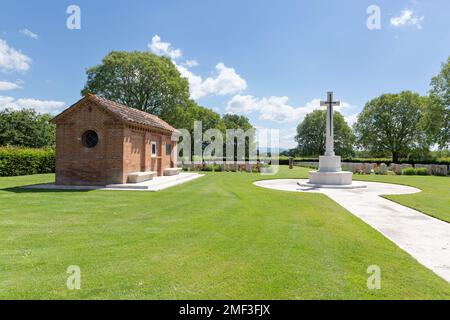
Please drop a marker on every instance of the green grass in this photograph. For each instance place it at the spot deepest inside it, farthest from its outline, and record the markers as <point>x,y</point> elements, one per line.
<point>218,237</point>
<point>434,199</point>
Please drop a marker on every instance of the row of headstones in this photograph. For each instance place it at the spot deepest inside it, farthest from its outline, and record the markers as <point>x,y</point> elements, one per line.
<point>227,167</point>
<point>368,168</point>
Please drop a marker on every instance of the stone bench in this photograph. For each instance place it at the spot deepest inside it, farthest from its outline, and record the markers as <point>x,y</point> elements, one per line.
<point>172,171</point>
<point>137,177</point>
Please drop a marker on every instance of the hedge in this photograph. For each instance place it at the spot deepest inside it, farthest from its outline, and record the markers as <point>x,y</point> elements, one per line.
<point>442,161</point>
<point>22,161</point>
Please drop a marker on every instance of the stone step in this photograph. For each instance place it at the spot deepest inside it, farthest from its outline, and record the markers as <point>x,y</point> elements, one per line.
<point>136,177</point>
<point>172,171</point>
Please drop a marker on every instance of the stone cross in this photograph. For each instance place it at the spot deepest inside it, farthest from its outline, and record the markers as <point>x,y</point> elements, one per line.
<point>329,150</point>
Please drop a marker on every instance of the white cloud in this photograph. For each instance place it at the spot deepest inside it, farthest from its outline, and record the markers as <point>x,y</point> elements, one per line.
<point>164,48</point>
<point>287,138</point>
<point>41,106</point>
<point>6,85</point>
<point>284,138</point>
<point>407,18</point>
<point>275,108</point>
<point>191,63</point>
<point>351,119</point>
<point>30,34</point>
<point>225,81</point>
<point>12,59</point>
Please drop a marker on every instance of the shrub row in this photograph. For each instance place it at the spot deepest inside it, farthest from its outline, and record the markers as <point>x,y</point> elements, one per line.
<point>21,161</point>
<point>443,161</point>
<point>414,172</point>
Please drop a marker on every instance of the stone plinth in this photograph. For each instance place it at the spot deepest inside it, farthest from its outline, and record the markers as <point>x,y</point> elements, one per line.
<point>330,173</point>
<point>330,178</point>
<point>330,164</point>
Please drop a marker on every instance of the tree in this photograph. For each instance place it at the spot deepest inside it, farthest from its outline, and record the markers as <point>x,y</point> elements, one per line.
<point>140,80</point>
<point>392,123</point>
<point>437,115</point>
<point>311,135</point>
<point>26,128</point>
<point>233,121</point>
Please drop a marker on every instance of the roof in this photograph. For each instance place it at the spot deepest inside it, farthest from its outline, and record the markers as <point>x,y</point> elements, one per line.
<point>125,113</point>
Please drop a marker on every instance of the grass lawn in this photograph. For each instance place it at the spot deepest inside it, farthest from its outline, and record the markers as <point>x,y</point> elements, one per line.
<point>434,199</point>
<point>218,237</point>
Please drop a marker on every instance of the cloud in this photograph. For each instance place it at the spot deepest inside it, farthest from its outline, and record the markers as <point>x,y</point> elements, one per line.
<point>164,48</point>
<point>6,85</point>
<point>287,138</point>
<point>30,34</point>
<point>275,108</point>
<point>351,119</point>
<point>191,63</point>
<point>225,81</point>
<point>12,59</point>
<point>284,138</point>
<point>41,106</point>
<point>407,18</point>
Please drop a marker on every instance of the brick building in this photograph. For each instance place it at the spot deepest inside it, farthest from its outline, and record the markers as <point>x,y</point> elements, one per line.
<point>100,142</point>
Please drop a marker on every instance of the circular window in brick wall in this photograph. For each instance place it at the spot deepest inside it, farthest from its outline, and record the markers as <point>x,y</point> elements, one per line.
<point>90,139</point>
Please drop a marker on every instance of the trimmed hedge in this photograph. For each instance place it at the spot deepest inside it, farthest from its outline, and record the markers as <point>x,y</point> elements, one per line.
<point>442,161</point>
<point>21,161</point>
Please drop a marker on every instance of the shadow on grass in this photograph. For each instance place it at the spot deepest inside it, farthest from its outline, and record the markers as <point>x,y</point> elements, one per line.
<point>26,189</point>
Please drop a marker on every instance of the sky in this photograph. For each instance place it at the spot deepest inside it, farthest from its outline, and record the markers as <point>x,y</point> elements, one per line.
<point>271,61</point>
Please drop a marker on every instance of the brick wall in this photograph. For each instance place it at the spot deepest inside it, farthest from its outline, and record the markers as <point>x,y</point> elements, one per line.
<point>121,148</point>
<point>78,165</point>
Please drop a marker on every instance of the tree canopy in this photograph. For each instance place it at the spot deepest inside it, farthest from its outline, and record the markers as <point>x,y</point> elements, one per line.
<point>139,80</point>
<point>153,84</point>
<point>392,123</point>
<point>437,117</point>
<point>311,135</point>
<point>26,128</point>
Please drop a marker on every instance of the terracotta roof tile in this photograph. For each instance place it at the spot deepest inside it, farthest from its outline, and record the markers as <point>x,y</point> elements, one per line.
<point>130,114</point>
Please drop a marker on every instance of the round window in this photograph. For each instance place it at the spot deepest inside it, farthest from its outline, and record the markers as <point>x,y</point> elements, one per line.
<point>90,139</point>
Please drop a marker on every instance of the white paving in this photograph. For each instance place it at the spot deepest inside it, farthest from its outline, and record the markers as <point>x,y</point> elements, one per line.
<point>425,238</point>
<point>156,184</point>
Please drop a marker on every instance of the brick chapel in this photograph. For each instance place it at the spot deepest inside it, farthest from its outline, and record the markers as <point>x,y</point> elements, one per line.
<point>100,142</point>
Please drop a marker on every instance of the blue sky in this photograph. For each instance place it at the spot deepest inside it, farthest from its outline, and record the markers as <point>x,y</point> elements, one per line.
<point>269,60</point>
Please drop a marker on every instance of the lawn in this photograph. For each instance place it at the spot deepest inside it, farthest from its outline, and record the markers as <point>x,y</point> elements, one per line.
<point>434,199</point>
<point>218,237</point>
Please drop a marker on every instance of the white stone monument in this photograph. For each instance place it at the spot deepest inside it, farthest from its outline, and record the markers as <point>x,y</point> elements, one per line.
<point>330,174</point>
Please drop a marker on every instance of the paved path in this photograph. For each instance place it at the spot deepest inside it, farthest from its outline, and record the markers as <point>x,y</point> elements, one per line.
<point>156,184</point>
<point>425,238</point>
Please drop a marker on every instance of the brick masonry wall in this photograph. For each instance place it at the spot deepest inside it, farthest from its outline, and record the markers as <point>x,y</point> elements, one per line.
<point>79,165</point>
<point>121,150</point>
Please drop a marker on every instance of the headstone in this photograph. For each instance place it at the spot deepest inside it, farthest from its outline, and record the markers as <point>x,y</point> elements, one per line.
<point>291,163</point>
<point>383,169</point>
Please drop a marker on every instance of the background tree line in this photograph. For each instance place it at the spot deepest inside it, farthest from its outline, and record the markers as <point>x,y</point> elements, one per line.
<point>403,125</point>
<point>140,80</point>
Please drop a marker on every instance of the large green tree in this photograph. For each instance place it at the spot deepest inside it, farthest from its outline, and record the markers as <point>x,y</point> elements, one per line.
<point>311,135</point>
<point>392,123</point>
<point>234,121</point>
<point>437,116</point>
<point>140,80</point>
<point>153,84</point>
<point>26,128</point>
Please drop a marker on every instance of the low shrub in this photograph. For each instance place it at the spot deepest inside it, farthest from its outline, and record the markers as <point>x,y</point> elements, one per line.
<point>212,167</point>
<point>422,171</point>
<point>409,172</point>
<point>23,161</point>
